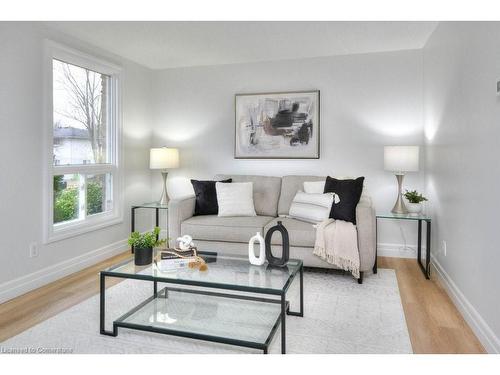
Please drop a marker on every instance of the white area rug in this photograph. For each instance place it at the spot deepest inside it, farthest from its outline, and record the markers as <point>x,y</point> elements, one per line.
<point>340,316</point>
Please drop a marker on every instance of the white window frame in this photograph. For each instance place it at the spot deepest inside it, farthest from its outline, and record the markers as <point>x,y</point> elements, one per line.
<point>55,232</point>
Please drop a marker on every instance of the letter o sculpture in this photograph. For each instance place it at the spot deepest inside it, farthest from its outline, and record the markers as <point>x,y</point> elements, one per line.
<point>274,261</point>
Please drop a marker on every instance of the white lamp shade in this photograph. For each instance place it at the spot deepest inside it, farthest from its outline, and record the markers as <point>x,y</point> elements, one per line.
<point>163,158</point>
<point>401,158</point>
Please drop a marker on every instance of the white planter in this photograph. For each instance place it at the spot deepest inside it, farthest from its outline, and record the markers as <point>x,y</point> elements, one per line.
<point>414,209</point>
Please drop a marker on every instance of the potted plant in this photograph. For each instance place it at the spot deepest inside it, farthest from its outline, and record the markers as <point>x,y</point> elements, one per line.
<point>143,246</point>
<point>415,200</point>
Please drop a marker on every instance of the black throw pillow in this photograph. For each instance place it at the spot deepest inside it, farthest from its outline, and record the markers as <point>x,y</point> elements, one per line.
<point>206,197</point>
<point>349,193</point>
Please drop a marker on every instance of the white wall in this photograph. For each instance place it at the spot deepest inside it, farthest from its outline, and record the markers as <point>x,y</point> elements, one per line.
<point>21,161</point>
<point>367,101</point>
<point>462,130</point>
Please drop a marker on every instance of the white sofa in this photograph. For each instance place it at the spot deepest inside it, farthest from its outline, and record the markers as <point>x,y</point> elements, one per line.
<point>272,198</point>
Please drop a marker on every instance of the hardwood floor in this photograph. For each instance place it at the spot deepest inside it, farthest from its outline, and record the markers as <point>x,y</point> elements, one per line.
<point>34,307</point>
<point>435,325</point>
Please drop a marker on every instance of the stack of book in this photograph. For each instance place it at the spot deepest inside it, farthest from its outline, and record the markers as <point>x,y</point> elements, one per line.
<point>173,259</point>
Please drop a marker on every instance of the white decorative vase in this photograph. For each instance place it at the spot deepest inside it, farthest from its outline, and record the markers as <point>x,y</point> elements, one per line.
<point>185,242</point>
<point>414,209</point>
<point>257,261</point>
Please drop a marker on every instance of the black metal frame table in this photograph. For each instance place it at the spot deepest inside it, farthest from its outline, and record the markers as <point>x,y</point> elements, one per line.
<point>222,288</point>
<point>426,270</point>
<point>153,205</point>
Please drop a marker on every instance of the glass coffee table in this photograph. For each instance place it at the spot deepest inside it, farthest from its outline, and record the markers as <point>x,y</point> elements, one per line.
<point>233,302</point>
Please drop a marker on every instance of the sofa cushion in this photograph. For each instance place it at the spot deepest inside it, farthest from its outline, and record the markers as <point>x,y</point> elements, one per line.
<point>228,229</point>
<point>266,192</point>
<point>206,197</point>
<point>290,185</point>
<point>349,193</point>
<point>314,187</point>
<point>313,208</point>
<point>300,233</point>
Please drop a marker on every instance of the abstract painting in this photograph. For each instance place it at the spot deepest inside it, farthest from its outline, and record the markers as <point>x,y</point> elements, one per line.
<point>277,125</point>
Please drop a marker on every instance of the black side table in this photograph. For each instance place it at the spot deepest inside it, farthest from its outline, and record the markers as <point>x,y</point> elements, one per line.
<point>154,205</point>
<point>420,218</point>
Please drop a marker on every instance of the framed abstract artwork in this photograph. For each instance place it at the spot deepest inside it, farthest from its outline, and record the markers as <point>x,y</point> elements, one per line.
<point>279,125</point>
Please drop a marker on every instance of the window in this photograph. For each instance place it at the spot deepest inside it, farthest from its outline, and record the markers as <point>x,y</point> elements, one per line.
<point>83,148</point>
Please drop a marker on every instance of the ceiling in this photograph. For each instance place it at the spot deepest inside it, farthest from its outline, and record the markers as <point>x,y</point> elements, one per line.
<point>161,45</point>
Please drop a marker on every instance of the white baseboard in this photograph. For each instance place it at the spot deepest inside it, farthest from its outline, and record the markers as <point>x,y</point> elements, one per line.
<point>26,283</point>
<point>478,325</point>
<point>397,250</point>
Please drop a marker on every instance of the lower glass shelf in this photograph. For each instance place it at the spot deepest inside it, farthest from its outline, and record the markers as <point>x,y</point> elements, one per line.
<point>249,322</point>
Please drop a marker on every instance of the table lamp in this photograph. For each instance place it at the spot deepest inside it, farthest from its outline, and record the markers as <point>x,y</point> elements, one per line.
<point>164,158</point>
<point>400,160</point>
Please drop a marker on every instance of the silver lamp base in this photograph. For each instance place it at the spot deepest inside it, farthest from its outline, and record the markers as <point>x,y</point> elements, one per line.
<point>164,195</point>
<point>399,207</point>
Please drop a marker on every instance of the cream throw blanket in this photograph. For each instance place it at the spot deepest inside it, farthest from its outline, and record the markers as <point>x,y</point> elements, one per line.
<point>337,243</point>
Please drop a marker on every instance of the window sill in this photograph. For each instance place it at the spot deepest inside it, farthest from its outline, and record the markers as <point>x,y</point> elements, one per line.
<point>81,228</point>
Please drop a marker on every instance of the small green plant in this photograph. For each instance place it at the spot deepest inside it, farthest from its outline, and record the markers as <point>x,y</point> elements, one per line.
<point>146,240</point>
<point>414,196</point>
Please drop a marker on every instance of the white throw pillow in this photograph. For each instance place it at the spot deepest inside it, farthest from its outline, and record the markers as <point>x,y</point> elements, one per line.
<point>235,199</point>
<point>314,187</point>
<point>313,208</point>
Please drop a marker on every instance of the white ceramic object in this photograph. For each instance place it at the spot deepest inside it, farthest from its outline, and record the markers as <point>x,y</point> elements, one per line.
<point>414,209</point>
<point>185,242</point>
<point>261,259</point>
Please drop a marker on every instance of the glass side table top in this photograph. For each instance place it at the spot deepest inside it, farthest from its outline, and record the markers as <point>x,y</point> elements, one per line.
<point>390,215</point>
<point>233,271</point>
<point>151,205</point>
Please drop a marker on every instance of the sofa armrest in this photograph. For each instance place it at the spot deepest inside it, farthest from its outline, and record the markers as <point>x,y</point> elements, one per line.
<point>366,227</point>
<point>179,210</point>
